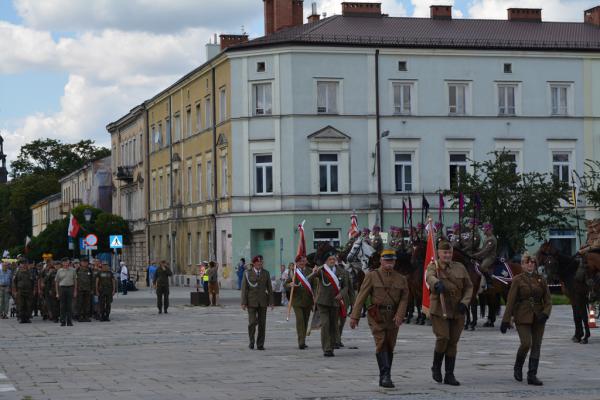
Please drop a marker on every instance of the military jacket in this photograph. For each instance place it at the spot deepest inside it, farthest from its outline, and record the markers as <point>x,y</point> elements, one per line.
<point>256,289</point>
<point>23,280</point>
<point>457,282</point>
<point>85,279</point>
<point>302,297</point>
<point>386,289</point>
<point>489,248</point>
<point>528,297</point>
<point>325,291</point>
<point>161,276</point>
<point>470,243</point>
<point>49,283</point>
<point>105,282</point>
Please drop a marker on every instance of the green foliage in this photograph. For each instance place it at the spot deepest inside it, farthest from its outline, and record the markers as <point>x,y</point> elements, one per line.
<point>589,183</point>
<point>520,206</point>
<point>52,240</point>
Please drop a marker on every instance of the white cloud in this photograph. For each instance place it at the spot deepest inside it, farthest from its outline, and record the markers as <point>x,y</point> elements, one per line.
<point>22,48</point>
<point>552,10</point>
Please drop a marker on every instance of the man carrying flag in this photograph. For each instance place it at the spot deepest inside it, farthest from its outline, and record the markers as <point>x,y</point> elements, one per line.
<point>388,292</point>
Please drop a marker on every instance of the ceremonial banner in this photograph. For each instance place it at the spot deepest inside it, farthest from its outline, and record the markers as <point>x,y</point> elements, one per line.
<point>441,208</point>
<point>73,227</point>
<point>429,257</point>
<point>301,252</point>
<point>353,226</point>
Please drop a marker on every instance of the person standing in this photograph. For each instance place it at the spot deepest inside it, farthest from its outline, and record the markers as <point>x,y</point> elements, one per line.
<point>204,276</point>
<point>241,268</point>
<point>49,290</point>
<point>152,275</point>
<point>23,292</point>
<point>388,291</point>
<point>84,289</point>
<point>530,304</point>
<point>302,301</point>
<point>257,294</point>
<point>124,278</point>
<point>161,285</point>
<point>106,288</point>
<point>451,291</point>
<point>488,253</point>
<point>5,287</point>
<point>213,282</point>
<point>66,278</point>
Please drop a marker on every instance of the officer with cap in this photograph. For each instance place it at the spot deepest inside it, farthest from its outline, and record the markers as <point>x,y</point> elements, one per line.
<point>451,291</point>
<point>257,294</point>
<point>387,292</point>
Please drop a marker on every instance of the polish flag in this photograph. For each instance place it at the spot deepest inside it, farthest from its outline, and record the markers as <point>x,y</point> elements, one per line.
<point>300,276</point>
<point>353,226</point>
<point>334,281</point>
<point>301,252</point>
<point>73,227</point>
<point>429,258</point>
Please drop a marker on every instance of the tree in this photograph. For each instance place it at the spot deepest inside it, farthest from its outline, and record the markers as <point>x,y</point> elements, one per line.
<point>589,183</point>
<point>519,205</point>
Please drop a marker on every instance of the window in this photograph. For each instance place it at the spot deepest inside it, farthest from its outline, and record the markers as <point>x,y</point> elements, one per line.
<point>223,176</point>
<point>154,193</point>
<point>403,171</point>
<point>188,122</point>
<point>402,92</point>
<point>458,168</point>
<point>198,117</point>
<point>508,68</point>
<point>262,99</point>
<point>209,240</point>
<point>199,244</point>
<point>561,163</point>
<point>190,191</point>
<point>160,192</point>
<point>260,66</point>
<point>189,248</point>
<point>160,136</point>
<point>402,66</point>
<point>168,191</point>
<point>177,127</point>
<point>209,183</point>
<point>222,105</point>
<point>263,174</point>
<point>457,98</point>
<point>327,97</point>
<point>331,237</point>
<point>506,99</point>
<point>168,132</point>
<point>328,173</point>
<point>207,113</point>
<point>199,181</point>
<point>559,95</point>
<point>512,158</point>
<point>564,240</point>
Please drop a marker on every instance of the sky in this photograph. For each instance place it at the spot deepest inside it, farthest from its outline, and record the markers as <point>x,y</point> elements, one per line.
<point>70,67</point>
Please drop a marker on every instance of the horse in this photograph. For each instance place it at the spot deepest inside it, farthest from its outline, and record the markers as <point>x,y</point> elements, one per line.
<point>362,252</point>
<point>571,274</point>
<point>415,280</point>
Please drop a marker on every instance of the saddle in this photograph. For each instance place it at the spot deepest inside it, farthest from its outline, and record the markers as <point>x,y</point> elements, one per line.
<point>502,272</point>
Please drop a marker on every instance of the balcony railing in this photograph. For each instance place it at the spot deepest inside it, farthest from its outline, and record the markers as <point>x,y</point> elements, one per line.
<point>125,174</point>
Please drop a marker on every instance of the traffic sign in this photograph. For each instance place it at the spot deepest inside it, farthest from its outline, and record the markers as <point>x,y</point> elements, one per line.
<point>116,241</point>
<point>82,244</point>
<point>91,240</point>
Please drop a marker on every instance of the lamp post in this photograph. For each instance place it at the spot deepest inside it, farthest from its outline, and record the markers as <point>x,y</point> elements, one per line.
<point>381,135</point>
<point>87,214</point>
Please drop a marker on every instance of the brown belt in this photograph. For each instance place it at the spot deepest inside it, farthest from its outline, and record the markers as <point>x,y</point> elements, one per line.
<point>387,307</point>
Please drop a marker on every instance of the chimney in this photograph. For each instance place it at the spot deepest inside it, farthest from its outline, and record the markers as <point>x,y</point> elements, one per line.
<point>592,16</point>
<point>280,14</point>
<point>525,14</point>
<point>212,49</point>
<point>314,17</point>
<point>232,40</point>
<point>361,9</point>
<point>440,12</point>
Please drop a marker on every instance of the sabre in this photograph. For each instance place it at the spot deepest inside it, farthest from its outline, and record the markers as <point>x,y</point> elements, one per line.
<point>437,270</point>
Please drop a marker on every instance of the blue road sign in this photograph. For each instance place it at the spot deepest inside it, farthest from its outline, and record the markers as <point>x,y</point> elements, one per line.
<point>116,241</point>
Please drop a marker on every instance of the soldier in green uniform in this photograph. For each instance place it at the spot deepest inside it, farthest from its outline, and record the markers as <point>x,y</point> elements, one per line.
<point>49,290</point>
<point>449,282</point>
<point>471,239</point>
<point>97,268</point>
<point>529,303</point>
<point>257,294</point>
<point>23,286</point>
<point>105,290</point>
<point>387,291</point>
<point>161,284</point>
<point>348,298</point>
<point>85,287</point>
<point>455,236</point>
<point>302,301</point>
<point>488,253</point>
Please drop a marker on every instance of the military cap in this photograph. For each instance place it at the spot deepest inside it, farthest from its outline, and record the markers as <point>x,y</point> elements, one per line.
<point>388,253</point>
<point>444,245</point>
<point>329,253</point>
<point>487,226</point>
<point>456,226</point>
<point>366,231</point>
<point>376,228</point>
<point>65,259</point>
<point>76,261</point>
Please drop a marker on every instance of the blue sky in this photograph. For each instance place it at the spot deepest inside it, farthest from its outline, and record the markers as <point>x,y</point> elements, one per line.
<point>69,67</point>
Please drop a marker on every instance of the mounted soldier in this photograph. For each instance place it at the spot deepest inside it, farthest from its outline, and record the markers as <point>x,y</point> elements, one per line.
<point>377,242</point>
<point>471,239</point>
<point>487,254</point>
<point>455,236</point>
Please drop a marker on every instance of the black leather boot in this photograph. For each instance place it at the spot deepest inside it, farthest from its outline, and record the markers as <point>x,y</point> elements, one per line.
<point>449,378</point>
<point>519,366</point>
<point>532,373</point>
<point>380,365</point>
<point>386,379</point>
<point>436,369</point>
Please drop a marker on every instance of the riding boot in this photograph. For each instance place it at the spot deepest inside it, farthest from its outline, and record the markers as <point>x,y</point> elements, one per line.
<point>386,379</point>
<point>449,378</point>
<point>532,373</point>
<point>519,367</point>
<point>436,369</point>
<point>488,279</point>
<point>380,365</point>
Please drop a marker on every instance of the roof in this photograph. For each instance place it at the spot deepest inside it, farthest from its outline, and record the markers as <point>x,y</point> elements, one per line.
<point>406,32</point>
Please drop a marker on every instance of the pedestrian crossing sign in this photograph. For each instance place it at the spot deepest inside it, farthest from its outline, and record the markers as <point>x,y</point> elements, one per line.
<point>116,241</point>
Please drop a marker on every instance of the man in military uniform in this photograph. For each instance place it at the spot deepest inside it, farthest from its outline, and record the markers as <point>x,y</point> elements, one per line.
<point>97,268</point>
<point>377,242</point>
<point>451,291</point>
<point>455,236</point>
<point>84,288</point>
<point>23,286</point>
<point>348,298</point>
<point>105,290</point>
<point>257,294</point>
<point>66,279</point>
<point>49,290</point>
<point>387,291</point>
<point>302,301</point>
<point>471,239</point>
<point>488,253</point>
<point>161,284</point>
<point>439,232</point>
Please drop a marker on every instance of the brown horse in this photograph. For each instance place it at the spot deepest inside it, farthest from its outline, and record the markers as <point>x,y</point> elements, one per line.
<point>591,261</point>
<point>571,274</point>
<point>408,265</point>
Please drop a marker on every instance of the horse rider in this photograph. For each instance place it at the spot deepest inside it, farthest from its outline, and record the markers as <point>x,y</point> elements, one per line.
<point>377,242</point>
<point>451,291</point>
<point>387,292</point>
<point>529,303</point>
<point>487,254</point>
<point>471,239</point>
<point>439,232</point>
<point>455,236</point>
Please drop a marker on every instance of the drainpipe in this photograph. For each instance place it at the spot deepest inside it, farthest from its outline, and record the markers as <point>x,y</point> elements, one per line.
<point>168,128</point>
<point>147,183</point>
<point>377,144</point>
<point>214,157</point>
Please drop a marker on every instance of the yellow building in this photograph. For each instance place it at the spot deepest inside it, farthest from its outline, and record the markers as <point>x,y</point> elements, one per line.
<point>44,212</point>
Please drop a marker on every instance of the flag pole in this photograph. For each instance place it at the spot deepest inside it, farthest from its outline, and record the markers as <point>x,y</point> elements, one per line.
<point>437,271</point>
<point>574,195</point>
<point>289,310</point>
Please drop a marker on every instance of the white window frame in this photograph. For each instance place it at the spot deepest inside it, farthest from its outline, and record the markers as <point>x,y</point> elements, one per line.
<point>209,180</point>
<point>413,97</point>
<point>397,145</point>
<point>338,96</point>
<point>177,127</point>
<point>199,180</point>
<point>458,146</point>
<point>569,110</point>
<point>513,147</point>
<point>561,164</point>
<point>500,85</point>
<point>263,166</point>
<point>467,98</point>
<point>267,94</point>
<point>224,189</point>
<point>328,166</point>
<point>207,113</point>
<point>403,165</point>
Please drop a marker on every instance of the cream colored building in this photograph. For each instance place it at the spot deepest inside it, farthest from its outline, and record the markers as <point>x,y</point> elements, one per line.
<point>90,184</point>
<point>44,212</point>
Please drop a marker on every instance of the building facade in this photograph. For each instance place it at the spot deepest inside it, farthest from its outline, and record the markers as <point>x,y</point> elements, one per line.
<point>44,212</point>
<point>90,184</point>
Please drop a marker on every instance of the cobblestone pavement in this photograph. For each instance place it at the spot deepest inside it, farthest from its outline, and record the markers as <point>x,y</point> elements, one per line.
<point>202,353</point>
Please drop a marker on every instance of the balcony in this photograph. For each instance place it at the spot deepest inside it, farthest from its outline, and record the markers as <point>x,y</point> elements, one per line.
<point>125,174</point>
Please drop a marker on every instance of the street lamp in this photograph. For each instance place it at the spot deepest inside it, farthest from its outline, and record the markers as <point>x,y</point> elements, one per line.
<point>87,214</point>
<point>381,135</point>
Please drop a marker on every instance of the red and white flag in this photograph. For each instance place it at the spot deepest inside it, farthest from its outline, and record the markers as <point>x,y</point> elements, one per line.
<point>334,281</point>
<point>301,252</point>
<point>429,258</point>
<point>353,226</point>
<point>73,227</point>
<point>300,277</point>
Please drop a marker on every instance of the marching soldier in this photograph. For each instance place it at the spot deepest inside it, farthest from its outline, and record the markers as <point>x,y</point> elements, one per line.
<point>49,290</point>
<point>257,294</point>
<point>302,302</point>
<point>105,290</point>
<point>161,285</point>
<point>23,286</point>
<point>348,298</point>
<point>529,303</point>
<point>488,253</point>
<point>388,292</point>
<point>84,288</point>
<point>451,291</point>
